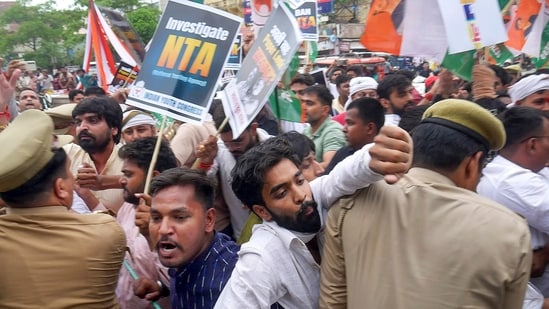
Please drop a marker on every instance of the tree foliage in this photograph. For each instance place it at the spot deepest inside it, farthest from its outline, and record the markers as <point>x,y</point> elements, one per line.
<point>40,33</point>
<point>144,21</point>
<point>53,37</point>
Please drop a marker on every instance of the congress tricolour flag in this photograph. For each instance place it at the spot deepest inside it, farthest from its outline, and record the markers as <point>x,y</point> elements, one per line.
<point>406,28</point>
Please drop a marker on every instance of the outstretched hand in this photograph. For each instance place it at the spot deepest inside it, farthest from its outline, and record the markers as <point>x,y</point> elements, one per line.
<point>8,80</point>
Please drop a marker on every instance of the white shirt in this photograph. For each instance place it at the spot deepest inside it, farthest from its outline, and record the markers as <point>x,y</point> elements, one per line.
<point>392,120</point>
<point>526,193</point>
<point>224,163</point>
<point>519,189</point>
<point>533,298</point>
<point>275,265</point>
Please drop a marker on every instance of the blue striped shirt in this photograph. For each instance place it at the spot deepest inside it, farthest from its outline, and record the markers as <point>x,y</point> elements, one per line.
<point>199,283</point>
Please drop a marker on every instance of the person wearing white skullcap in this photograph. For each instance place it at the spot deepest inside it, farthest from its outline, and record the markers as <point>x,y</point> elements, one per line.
<point>136,124</point>
<point>531,91</point>
<point>359,87</point>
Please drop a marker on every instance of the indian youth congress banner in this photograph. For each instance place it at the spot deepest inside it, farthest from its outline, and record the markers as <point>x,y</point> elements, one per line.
<point>183,66</point>
<point>261,70</point>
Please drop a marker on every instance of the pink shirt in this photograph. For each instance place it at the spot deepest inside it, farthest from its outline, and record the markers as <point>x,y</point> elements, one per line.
<point>142,259</point>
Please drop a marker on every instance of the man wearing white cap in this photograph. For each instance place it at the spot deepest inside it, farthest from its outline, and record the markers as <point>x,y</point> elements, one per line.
<point>531,91</point>
<point>136,124</point>
<point>359,87</point>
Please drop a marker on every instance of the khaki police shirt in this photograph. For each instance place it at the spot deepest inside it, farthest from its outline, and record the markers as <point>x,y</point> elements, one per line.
<point>423,243</point>
<point>53,258</point>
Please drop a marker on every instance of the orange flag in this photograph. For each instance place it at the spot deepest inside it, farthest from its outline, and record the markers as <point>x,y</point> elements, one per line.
<point>384,18</point>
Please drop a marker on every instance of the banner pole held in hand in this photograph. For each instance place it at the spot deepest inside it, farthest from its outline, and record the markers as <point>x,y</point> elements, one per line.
<point>154,156</point>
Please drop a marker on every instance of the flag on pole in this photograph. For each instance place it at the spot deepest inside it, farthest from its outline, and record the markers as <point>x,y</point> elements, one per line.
<point>98,31</point>
<point>381,32</point>
<point>522,23</point>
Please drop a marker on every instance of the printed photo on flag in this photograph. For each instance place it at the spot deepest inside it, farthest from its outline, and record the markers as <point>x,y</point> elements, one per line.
<point>522,22</point>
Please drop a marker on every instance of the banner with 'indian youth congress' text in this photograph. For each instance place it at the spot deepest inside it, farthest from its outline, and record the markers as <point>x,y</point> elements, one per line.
<point>183,65</point>
<point>261,70</point>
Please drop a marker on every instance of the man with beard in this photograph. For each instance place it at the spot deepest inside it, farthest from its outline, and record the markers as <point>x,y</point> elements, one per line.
<point>229,149</point>
<point>395,93</point>
<point>136,157</point>
<point>276,264</point>
<point>94,161</point>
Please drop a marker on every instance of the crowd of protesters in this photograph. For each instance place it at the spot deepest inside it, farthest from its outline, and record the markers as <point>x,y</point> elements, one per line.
<point>386,196</point>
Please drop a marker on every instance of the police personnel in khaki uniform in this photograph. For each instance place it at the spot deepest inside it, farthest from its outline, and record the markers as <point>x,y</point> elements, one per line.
<point>430,241</point>
<point>50,257</point>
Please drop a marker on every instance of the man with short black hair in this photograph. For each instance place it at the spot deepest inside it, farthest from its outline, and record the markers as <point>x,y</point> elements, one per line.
<point>134,215</point>
<point>342,87</point>
<point>51,257</point>
<point>200,259</point>
<point>430,241</point>
<point>94,92</point>
<point>395,93</point>
<point>363,120</point>
<point>514,177</point>
<point>94,158</point>
<point>76,96</point>
<point>276,264</point>
<point>29,99</point>
<point>327,135</point>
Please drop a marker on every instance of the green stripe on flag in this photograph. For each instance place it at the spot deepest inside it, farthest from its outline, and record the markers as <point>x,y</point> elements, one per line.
<point>543,60</point>
<point>285,105</point>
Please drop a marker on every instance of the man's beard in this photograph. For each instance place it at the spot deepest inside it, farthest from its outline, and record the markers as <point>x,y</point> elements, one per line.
<point>92,144</point>
<point>400,111</point>
<point>130,197</point>
<point>301,222</point>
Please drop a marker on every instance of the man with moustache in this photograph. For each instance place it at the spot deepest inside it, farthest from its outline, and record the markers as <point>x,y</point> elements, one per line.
<point>276,265</point>
<point>229,149</point>
<point>29,99</point>
<point>94,161</point>
<point>395,93</point>
<point>430,241</point>
<point>316,103</point>
<point>136,157</point>
<point>182,220</point>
